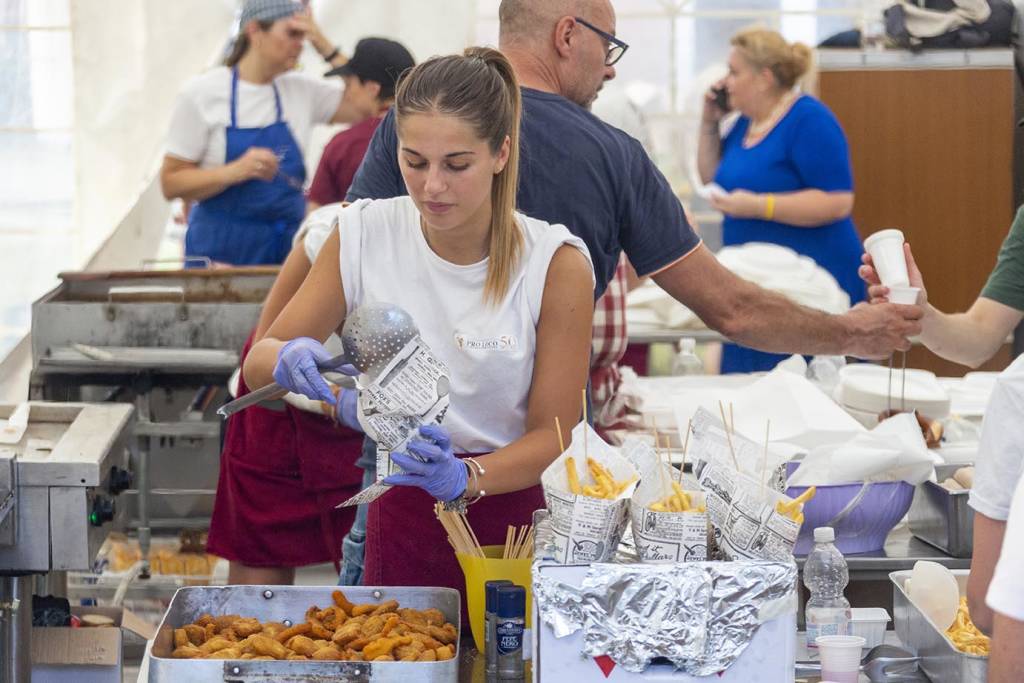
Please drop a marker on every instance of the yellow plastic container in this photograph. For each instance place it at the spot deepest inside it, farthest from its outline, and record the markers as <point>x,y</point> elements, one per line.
<point>479,570</point>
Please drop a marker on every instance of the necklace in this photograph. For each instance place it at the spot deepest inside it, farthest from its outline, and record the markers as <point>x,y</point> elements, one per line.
<point>759,129</point>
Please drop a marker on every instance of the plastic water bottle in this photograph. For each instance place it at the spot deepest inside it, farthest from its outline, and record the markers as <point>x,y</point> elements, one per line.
<point>825,574</point>
<point>686,361</point>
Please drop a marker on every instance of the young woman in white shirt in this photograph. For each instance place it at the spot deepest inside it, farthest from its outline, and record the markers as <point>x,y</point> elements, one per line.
<point>470,271</point>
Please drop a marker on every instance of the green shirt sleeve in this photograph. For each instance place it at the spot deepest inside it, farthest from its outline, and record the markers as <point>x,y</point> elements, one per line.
<point>1006,283</point>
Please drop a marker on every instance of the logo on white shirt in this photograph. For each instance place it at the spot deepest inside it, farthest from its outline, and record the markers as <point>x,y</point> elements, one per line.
<point>505,342</point>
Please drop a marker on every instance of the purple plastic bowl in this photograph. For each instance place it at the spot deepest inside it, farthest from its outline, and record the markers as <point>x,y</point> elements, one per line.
<point>868,523</point>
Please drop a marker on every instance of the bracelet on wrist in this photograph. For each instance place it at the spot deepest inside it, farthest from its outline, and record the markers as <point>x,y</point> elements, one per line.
<point>769,207</point>
<point>334,53</point>
<point>473,472</point>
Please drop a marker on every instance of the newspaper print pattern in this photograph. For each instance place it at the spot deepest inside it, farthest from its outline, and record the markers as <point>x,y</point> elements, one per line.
<point>411,391</point>
<point>742,512</point>
<point>585,529</point>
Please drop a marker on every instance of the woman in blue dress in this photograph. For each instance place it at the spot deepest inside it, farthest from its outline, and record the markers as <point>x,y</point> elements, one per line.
<point>784,168</point>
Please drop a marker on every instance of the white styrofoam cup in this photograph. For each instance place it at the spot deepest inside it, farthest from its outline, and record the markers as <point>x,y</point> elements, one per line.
<point>840,657</point>
<point>903,295</point>
<point>886,249</point>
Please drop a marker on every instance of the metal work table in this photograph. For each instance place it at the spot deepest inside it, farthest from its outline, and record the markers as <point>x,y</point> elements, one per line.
<point>901,551</point>
<point>646,335</point>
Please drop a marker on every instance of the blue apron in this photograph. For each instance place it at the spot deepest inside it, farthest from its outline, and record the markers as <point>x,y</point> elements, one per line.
<point>252,222</point>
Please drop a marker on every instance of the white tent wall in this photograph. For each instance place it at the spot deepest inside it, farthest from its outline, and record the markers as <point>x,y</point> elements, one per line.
<point>130,59</point>
<point>426,27</point>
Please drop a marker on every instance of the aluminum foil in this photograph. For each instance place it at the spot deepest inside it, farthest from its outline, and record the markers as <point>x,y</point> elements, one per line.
<point>698,615</point>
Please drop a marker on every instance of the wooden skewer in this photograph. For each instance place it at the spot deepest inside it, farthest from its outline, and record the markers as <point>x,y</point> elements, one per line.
<point>558,428</point>
<point>661,467</point>
<point>728,438</point>
<point>764,458</point>
<point>686,445</point>
<point>586,452</point>
<point>732,419</point>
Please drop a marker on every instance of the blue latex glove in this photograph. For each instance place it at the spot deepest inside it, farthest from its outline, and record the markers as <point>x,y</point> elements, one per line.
<point>348,369</point>
<point>297,370</point>
<point>435,469</point>
<point>348,407</point>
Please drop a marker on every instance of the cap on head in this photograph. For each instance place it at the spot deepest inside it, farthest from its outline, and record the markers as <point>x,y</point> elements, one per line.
<point>377,59</point>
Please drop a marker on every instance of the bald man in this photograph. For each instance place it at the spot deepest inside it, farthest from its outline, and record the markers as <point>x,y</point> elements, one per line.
<point>598,182</point>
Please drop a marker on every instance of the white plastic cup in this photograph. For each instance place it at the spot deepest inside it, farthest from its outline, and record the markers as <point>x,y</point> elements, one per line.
<point>840,657</point>
<point>904,295</point>
<point>886,249</point>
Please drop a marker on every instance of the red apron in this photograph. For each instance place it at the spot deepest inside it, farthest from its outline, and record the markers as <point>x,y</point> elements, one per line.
<point>407,546</point>
<point>282,472</point>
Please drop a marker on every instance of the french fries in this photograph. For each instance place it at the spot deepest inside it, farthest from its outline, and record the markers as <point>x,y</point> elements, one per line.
<point>965,635</point>
<point>677,501</point>
<point>605,486</point>
<point>792,509</point>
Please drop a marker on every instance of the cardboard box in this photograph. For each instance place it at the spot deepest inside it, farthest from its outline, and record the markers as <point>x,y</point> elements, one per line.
<point>88,654</point>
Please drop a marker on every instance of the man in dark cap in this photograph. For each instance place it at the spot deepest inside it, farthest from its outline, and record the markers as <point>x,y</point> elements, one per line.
<point>370,77</point>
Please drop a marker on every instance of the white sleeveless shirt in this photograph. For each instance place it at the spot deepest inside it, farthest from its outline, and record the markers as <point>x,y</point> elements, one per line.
<point>488,348</point>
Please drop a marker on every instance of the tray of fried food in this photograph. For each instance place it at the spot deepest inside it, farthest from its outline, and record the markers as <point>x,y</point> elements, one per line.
<point>965,636</point>
<point>604,484</point>
<point>398,634</point>
<point>342,631</point>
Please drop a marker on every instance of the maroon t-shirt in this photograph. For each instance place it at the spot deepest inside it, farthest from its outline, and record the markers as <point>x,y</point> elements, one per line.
<point>339,162</point>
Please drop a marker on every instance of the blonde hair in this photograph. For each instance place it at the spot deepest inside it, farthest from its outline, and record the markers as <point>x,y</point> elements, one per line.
<point>480,88</point>
<point>767,49</point>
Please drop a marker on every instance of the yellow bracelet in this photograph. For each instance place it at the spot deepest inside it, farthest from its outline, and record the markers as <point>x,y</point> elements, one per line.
<point>769,207</point>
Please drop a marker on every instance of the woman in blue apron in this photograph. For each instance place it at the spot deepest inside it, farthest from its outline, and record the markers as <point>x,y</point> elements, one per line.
<point>237,136</point>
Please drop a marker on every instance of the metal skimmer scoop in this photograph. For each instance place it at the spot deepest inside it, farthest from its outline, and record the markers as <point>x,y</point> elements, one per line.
<point>371,337</point>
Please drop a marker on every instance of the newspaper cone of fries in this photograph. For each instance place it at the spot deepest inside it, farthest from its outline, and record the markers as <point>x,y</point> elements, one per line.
<point>587,490</point>
<point>670,522</point>
<point>751,520</point>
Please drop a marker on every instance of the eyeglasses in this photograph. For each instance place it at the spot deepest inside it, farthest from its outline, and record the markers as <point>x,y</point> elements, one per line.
<point>617,47</point>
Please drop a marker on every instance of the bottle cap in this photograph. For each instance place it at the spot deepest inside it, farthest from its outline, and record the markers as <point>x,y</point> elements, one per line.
<point>491,594</point>
<point>688,345</point>
<point>511,602</point>
<point>824,534</point>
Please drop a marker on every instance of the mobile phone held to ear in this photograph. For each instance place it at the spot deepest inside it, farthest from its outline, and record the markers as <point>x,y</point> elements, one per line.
<point>721,98</point>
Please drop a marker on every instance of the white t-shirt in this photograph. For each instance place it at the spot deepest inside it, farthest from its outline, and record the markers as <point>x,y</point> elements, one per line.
<point>316,228</point>
<point>203,110</point>
<point>488,349</point>
<point>1005,592</point>
<point>313,232</point>
<point>1000,461</point>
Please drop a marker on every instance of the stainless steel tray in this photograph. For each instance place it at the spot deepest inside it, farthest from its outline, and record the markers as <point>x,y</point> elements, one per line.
<point>941,517</point>
<point>280,603</point>
<point>940,660</point>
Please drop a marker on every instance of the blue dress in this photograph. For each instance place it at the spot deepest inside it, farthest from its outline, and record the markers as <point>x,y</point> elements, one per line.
<point>805,150</point>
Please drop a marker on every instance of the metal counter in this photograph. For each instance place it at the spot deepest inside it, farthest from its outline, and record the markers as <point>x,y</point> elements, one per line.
<point>901,551</point>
